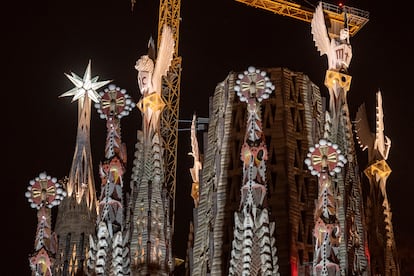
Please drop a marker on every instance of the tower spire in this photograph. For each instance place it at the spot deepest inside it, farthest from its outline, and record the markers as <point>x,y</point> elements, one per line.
<point>150,227</point>
<point>107,250</point>
<point>253,247</point>
<point>339,213</point>
<point>81,183</point>
<point>43,193</point>
<point>382,247</point>
<point>77,214</point>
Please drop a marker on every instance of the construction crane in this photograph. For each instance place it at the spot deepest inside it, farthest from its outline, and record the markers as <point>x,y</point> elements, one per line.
<point>169,13</point>
<point>356,18</point>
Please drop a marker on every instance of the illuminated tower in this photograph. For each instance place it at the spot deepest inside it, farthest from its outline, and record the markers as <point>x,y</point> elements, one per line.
<point>291,122</point>
<point>106,256</point>
<point>43,193</point>
<point>325,160</point>
<point>149,210</point>
<point>343,251</point>
<point>253,247</point>
<point>76,218</point>
<point>382,247</point>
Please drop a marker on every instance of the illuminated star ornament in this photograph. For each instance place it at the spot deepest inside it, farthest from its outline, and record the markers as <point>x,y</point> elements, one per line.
<point>84,86</point>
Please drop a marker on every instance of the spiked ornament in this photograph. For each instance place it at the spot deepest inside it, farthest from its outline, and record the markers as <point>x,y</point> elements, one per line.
<point>44,191</point>
<point>114,102</point>
<point>325,157</point>
<point>253,83</point>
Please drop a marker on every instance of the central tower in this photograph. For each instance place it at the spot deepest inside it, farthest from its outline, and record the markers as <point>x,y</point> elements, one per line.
<point>77,212</point>
<point>149,210</point>
<point>340,247</point>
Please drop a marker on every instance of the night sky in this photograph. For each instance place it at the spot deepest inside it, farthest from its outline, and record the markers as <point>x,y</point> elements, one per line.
<point>45,39</point>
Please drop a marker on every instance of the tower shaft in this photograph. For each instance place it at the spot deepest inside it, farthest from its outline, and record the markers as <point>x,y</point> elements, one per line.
<point>77,212</point>
<point>291,121</point>
<point>108,254</point>
<point>381,242</point>
<point>150,243</point>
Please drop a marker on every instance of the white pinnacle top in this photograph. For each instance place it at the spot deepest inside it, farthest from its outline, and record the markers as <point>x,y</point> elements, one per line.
<point>85,85</point>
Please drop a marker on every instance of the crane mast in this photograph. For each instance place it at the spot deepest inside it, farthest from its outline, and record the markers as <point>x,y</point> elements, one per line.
<point>169,13</point>
<point>356,18</point>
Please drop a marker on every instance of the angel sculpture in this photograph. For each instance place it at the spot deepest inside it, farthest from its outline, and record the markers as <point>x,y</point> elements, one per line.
<point>150,77</point>
<point>338,50</point>
<point>339,53</point>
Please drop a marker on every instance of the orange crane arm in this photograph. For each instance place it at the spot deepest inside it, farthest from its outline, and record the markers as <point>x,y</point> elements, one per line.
<point>356,18</point>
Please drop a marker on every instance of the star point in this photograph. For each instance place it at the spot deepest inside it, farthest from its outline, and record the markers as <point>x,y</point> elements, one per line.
<point>84,85</point>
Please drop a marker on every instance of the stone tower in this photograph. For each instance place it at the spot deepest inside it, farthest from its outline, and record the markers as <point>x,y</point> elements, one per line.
<point>77,213</point>
<point>148,219</point>
<point>253,248</point>
<point>107,250</point>
<point>340,247</point>
<point>380,234</point>
<point>291,122</point>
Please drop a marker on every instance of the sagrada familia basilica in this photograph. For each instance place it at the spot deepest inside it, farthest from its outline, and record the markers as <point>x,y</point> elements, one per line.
<point>276,187</point>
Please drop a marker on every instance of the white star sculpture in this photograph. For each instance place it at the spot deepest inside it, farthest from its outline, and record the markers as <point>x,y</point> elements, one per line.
<point>85,85</point>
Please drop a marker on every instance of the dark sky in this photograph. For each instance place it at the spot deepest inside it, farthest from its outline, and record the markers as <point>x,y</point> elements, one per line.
<point>45,39</point>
